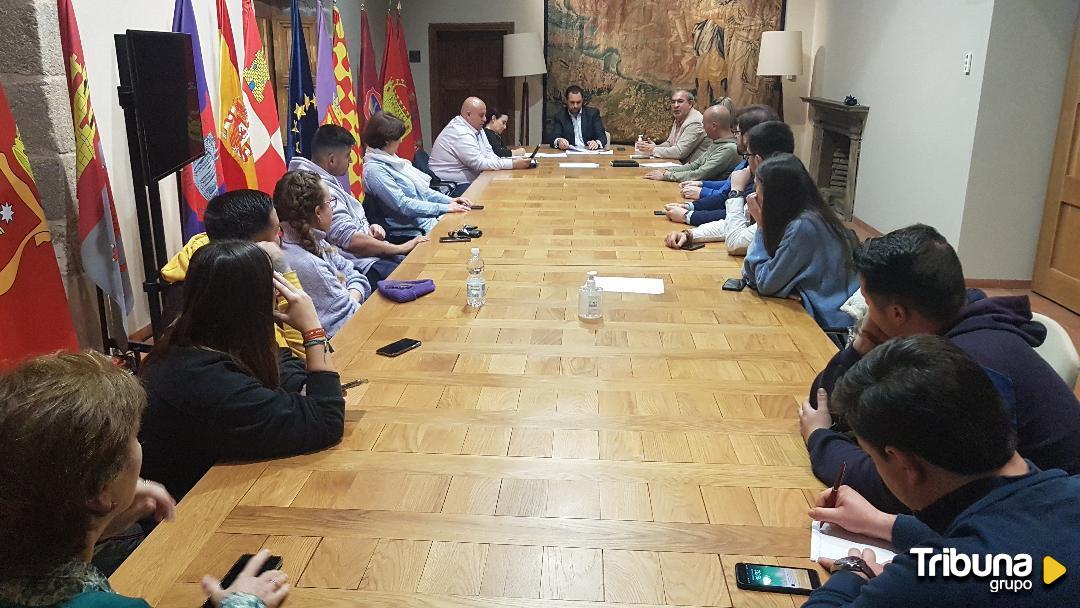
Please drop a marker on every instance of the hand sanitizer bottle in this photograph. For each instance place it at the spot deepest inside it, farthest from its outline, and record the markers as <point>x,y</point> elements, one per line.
<point>590,299</point>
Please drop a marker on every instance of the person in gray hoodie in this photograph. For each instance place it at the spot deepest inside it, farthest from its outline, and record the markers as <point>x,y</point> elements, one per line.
<point>359,241</point>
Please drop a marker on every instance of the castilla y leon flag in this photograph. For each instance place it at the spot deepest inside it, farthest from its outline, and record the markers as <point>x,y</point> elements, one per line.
<point>399,94</point>
<point>264,127</point>
<point>34,315</point>
<point>234,133</point>
<point>201,180</point>
<point>337,99</point>
<point>102,249</point>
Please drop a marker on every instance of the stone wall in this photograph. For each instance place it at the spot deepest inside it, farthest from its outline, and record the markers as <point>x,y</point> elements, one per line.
<point>33,76</point>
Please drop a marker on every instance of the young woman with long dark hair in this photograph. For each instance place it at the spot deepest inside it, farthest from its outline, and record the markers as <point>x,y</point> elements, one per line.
<point>218,385</point>
<point>801,247</point>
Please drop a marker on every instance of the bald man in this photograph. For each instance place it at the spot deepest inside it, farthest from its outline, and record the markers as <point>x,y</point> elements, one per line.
<point>718,161</point>
<point>462,152</point>
<point>686,142</point>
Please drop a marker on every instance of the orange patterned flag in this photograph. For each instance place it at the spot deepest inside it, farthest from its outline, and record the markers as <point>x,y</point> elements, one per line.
<point>342,109</point>
<point>34,315</point>
<point>265,128</point>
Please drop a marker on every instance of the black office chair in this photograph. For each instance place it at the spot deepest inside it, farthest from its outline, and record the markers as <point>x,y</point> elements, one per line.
<point>377,211</point>
<point>420,161</point>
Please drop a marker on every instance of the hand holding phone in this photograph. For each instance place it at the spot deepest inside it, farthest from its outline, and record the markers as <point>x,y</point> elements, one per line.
<point>659,212</point>
<point>693,246</point>
<point>259,575</point>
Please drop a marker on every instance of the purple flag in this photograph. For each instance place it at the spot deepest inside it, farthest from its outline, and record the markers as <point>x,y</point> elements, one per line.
<point>201,180</point>
<point>325,83</point>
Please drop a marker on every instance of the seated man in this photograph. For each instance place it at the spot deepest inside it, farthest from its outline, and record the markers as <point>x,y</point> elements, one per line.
<point>248,215</point>
<point>360,242</point>
<point>462,151</point>
<point>711,204</point>
<point>686,142</point>
<point>914,284</point>
<point>579,126</point>
<point>942,439</point>
<point>718,161</point>
<point>737,228</point>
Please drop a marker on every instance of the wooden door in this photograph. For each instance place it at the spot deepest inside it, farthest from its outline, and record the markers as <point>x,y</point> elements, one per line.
<point>1057,263</point>
<point>467,60</point>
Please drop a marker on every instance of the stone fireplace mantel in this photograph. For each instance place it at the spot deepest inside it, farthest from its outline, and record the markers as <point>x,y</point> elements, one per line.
<point>834,153</point>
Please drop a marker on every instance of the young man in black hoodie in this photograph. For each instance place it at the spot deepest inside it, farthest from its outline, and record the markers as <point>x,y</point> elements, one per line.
<point>943,440</point>
<point>914,284</point>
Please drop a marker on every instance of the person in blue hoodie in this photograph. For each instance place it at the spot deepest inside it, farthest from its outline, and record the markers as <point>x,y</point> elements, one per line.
<point>914,284</point>
<point>942,438</point>
<point>801,247</point>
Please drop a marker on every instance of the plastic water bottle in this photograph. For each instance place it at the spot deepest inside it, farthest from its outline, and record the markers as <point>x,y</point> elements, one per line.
<point>475,288</point>
<point>590,299</point>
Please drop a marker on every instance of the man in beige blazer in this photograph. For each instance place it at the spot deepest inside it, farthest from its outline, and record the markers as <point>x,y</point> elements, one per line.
<point>687,140</point>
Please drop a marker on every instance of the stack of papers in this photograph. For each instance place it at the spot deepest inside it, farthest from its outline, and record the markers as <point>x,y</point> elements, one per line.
<point>579,165</point>
<point>631,285</point>
<point>575,150</point>
<point>833,542</point>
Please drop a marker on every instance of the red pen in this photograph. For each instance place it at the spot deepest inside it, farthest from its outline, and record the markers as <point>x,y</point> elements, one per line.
<point>830,502</point>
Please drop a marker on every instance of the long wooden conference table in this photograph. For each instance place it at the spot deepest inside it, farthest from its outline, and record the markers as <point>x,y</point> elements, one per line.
<point>522,457</point>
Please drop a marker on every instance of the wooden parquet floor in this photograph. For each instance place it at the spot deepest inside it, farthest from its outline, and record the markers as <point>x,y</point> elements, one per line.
<point>522,457</point>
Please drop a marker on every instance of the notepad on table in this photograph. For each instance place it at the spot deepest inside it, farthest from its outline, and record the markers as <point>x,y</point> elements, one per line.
<point>833,542</point>
<point>579,165</point>
<point>631,285</point>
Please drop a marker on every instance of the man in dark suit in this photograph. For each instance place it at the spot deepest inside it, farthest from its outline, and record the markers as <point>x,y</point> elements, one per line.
<point>578,126</point>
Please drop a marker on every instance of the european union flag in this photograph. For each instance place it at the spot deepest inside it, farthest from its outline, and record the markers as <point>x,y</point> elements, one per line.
<point>303,112</point>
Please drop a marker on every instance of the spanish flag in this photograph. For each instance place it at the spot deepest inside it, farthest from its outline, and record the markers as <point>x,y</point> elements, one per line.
<point>34,315</point>
<point>234,133</point>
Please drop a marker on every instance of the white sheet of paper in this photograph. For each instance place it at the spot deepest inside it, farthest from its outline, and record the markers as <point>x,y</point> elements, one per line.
<point>579,165</point>
<point>663,165</point>
<point>573,150</point>
<point>631,285</point>
<point>550,155</point>
<point>833,542</point>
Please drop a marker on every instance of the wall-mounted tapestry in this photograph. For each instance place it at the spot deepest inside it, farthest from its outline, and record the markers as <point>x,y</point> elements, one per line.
<point>629,54</point>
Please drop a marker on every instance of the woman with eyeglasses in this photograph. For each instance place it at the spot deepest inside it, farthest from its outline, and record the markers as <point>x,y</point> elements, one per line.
<point>336,287</point>
<point>801,248</point>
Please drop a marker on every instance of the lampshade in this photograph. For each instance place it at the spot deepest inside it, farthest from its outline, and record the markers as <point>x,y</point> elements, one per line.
<point>523,55</point>
<point>781,54</point>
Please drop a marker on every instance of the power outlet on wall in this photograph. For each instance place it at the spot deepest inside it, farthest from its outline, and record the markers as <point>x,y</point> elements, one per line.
<point>967,63</point>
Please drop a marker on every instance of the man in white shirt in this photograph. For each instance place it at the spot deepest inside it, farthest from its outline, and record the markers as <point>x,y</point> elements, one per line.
<point>462,151</point>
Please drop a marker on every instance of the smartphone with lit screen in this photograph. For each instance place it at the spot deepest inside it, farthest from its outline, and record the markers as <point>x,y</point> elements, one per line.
<point>776,579</point>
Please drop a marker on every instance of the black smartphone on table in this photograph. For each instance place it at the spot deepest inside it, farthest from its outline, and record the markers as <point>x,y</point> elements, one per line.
<point>693,246</point>
<point>734,284</point>
<point>658,212</point>
<point>274,562</point>
<point>476,207</point>
<point>776,579</point>
<point>454,239</point>
<point>400,347</point>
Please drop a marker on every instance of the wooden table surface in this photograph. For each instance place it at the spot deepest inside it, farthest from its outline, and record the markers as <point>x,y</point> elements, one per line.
<point>522,457</point>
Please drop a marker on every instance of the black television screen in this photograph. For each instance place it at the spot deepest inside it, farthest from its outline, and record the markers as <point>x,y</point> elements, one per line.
<point>162,72</point>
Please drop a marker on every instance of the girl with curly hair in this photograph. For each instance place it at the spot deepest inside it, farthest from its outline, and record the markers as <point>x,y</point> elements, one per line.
<point>337,288</point>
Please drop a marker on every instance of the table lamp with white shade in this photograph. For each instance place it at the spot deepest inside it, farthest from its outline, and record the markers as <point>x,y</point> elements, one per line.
<point>523,55</point>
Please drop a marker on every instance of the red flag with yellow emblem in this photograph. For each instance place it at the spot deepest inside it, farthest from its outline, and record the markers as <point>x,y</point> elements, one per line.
<point>399,94</point>
<point>34,315</point>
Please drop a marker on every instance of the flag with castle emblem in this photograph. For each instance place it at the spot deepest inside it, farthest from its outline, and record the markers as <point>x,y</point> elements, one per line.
<point>34,315</point>
<point>302,111</point>
<point>339,106</point>
<point>234,133</point>
<point>202,179</point>
<point>399,94</point>
<point>101,248</point>
<point>265,128</point>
